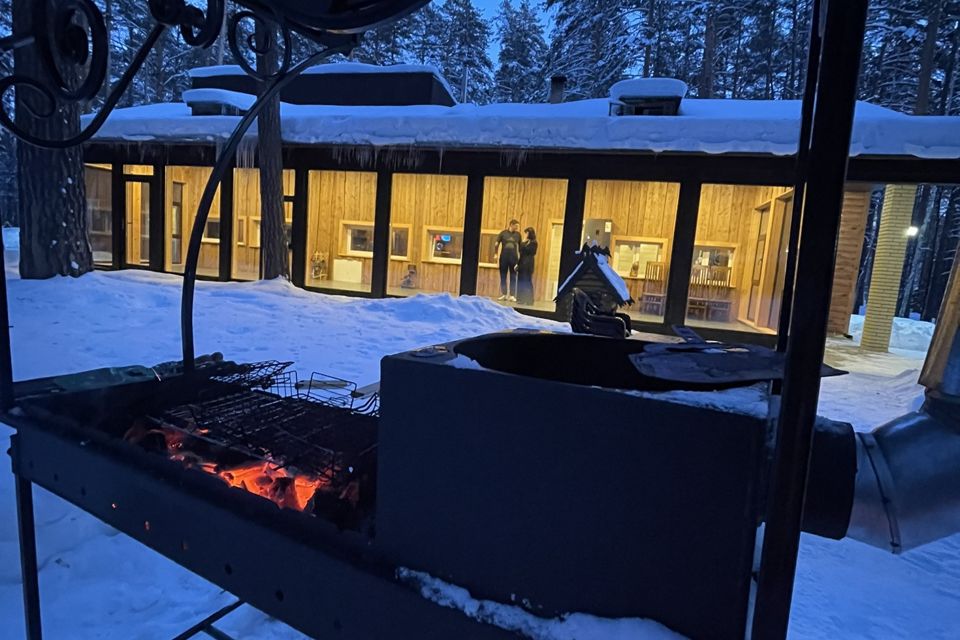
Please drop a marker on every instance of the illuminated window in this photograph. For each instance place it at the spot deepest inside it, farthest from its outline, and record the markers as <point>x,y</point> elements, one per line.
<point>444,245</point>
<point>488,248</point>
<point>253,239</point>
<point>211,232</point>
<point>631,255</point>
<point>400,242</point>
<point>356,239</point>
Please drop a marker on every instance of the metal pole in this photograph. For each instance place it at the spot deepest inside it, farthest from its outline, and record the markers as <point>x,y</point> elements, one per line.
<point>29,572</point>
<point>6,361</point>
<point>799,187</point>
<point>830,146</point>
<point>223,163</point>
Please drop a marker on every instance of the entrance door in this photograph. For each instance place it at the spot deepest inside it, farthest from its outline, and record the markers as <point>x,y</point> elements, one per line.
<point>553,263</point>
<point>756,278</point>
<point>138,223</point>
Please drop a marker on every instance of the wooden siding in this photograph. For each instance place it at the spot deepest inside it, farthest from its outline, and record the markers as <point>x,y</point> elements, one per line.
<point>335,196</point>
<point>246,212</point>
<point>534,202</point>
<point>423,202</point>
<point>637,209</point>
<point>853,222</point>
<point>193,179</point>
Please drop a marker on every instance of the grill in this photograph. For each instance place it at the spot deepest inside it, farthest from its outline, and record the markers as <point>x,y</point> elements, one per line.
<point>260,482</point>
<point>264,414</point>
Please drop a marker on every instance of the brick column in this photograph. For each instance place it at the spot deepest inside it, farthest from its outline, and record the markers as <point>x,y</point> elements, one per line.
<point>897,214</point>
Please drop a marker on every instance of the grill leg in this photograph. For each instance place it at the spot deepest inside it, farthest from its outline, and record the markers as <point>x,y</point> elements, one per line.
<point>206,625</point>
<point>28,557</point>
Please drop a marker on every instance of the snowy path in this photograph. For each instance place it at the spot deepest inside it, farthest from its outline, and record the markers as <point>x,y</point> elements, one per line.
<point>96,583</point>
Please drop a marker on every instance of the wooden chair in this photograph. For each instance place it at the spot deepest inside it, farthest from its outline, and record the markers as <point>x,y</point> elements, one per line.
<point>699,297</point>
<point>654,292</point>
<point>719,294</point>
<point>585,317</point>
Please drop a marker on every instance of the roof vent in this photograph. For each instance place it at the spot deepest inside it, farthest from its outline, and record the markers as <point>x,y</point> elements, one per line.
<point>647,97</point>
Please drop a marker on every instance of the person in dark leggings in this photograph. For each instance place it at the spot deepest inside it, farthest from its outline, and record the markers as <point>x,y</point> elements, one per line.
<point>507,254</point>
<point>528,249</point>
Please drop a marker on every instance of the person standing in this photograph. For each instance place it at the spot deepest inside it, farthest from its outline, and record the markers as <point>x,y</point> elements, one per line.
<point>528,251</point>
<point>507,255</point>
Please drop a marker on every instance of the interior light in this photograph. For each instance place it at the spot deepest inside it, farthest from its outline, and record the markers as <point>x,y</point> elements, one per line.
<point>912,231</point>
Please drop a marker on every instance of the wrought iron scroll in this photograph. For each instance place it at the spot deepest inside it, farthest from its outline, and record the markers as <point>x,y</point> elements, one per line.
<point>71,39</point>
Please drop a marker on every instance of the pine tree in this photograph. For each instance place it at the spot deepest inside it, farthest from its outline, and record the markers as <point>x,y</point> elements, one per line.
<point>425,43</point>
<point>520,72</point>
<point>464,60</point>
<point>593,45</point>
<point>385,45</point>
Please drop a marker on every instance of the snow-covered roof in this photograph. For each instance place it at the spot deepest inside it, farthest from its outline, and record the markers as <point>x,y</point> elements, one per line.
<point>702,126</point>
<point>648,88</point>
<point>330,68</point>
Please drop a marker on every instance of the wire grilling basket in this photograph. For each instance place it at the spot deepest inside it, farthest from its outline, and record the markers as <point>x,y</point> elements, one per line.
<point>322,427</point>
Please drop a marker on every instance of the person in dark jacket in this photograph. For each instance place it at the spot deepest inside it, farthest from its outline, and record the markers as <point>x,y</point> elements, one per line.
<point>507,255</point>
<point>528,250</point>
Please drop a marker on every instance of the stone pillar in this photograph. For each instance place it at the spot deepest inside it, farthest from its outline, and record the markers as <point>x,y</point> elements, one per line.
<point>895,219</point>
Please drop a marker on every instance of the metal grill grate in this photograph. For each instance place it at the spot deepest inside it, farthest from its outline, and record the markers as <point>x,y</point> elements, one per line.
<point>261,411</point>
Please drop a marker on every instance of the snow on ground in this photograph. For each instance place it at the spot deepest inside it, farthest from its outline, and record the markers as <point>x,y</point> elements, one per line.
<point>96,583</point>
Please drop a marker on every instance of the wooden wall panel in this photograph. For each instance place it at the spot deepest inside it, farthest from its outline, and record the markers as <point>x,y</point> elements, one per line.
<point>534,202</point>
<point>333,197</point>
<point>194,179</point>
<point>246,209</point>
<point>638,209</point>
<point>729,216</point>
<point>853,224</point>
<point>422,201</point>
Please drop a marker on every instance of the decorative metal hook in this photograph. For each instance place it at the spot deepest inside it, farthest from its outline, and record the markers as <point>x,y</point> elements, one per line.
<point>260,46</point>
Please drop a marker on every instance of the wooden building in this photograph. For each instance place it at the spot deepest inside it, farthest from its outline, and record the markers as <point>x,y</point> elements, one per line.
<point>695,208</point>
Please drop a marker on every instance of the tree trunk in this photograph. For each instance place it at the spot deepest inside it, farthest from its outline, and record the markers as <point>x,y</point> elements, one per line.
<point>273,245</point>
<point>927,59</point>
<point>53,230</point>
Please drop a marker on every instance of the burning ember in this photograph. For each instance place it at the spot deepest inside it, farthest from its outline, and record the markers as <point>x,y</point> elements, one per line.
<point>264,478</point>
<point>276,484</point>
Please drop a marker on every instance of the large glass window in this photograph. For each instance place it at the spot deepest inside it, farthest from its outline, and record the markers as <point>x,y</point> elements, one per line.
<point>340,226</point>
<point>739,257</point>
<point>520,266</point>
<point>635,220</point>
<point>137,197</point>
<point>246,220</point>
<point>184,187</point>
<point>98,181</point>
<point>426,232</point>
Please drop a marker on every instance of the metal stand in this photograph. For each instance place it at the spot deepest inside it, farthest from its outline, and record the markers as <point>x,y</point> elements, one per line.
<point>829,151</point>
<point>29,572</point>
<point>206,625</point>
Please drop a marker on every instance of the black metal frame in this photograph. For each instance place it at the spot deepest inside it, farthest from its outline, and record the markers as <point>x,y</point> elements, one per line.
<point>191,508</point>
<point>831,129</point>
<point>234,539</point>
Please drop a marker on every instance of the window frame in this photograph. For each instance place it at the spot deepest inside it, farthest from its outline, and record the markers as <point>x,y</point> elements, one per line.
<point>632,240</point>
<point>208,239</point>
<point>429,232</point>
<point>343,247</point>
<point>480,262</point>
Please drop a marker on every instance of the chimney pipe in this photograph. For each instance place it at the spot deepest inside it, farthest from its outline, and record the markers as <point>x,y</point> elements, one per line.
<point>558,85</point>
<point>907,490</point>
